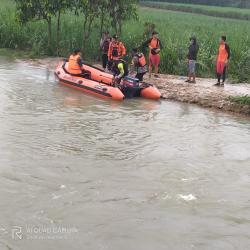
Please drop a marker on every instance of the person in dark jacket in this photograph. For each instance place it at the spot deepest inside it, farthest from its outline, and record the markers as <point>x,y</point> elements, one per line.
<point>222,61</point>
<point>193,50</point>
<point>104,45</point>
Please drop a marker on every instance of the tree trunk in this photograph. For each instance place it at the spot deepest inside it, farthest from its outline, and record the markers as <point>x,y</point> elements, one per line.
<point>58,31</point>
<point>49,36</point>
<point>84,33</point>
<point>86,30</point>
<point>120,27</point>
<point>101,31</point>
<point>102,21</point>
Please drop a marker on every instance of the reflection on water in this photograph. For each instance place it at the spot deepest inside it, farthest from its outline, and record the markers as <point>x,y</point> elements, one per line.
<point>131,175</point>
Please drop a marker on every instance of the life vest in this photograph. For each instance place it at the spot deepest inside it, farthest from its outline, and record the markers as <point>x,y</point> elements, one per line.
<point>125,66</point>
<point>141,60</point>
<point>154,44</point>
<point>73,67</point>
<point>223,54</point>
<point>116,69</point>
<point>116,51</point>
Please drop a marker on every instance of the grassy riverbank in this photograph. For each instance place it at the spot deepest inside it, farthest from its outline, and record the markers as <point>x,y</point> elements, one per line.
<point>243,100</point>
<point>174,28</point>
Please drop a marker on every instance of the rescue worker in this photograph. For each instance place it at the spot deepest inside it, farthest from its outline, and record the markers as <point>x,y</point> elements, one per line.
<point>222,61</point>
<point>193,50</point>
<point>119,69</point>
<point>117,50</point>
<point>139,64</point>
<point>104,46</point>
<point>155,47</point>
<point>75,65</point>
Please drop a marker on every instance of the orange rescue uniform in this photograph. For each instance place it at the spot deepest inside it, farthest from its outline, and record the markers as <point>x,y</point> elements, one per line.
<point>154,44</point>
<point>73,67</point>
<point>223,54</point>
<point>116,50</point>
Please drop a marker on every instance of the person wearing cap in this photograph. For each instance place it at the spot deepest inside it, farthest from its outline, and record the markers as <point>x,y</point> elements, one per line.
<point>155,46</point>
<point>222,61</point>
<point>116,50</point>
<point>139,64</point>
<point>104,46</point>
<point>75,63</point>
<point>193,50</point>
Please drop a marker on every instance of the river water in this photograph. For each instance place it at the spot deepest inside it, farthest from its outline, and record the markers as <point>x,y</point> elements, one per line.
<point>77,172</point>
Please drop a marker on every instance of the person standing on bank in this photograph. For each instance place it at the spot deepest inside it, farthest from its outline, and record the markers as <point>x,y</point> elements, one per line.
<point>104,45</point>
<point>193,50</point>
<point>155,47</point>
<point>117,49</point>
<point>222,61</point>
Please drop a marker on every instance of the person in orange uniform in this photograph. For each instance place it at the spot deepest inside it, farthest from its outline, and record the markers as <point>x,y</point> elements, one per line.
<point>75,63</point>
<point>139,64</point>
<point>222,61</point>
<point>117,50</point>
<point>155,47</point>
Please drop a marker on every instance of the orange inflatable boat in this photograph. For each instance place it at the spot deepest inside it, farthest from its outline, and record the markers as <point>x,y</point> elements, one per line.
<point>99,83</point>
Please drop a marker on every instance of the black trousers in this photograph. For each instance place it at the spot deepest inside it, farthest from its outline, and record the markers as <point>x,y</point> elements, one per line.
<point>85,74</point>
<point>104,60</point>
<point>140,76</point>
<point>223,75</point>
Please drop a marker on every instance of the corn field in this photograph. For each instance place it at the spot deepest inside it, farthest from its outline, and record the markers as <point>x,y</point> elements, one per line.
<point>174,28</point>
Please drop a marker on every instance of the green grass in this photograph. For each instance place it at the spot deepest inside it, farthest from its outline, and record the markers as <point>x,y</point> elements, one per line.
<point>243,100</point>
<point>228,12</point>
<point>175,28</point>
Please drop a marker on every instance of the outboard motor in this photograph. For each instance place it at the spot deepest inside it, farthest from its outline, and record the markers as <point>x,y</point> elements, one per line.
<point>130,87</point>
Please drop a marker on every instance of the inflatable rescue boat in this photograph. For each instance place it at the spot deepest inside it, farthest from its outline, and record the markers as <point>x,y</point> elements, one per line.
<point>99,83</point>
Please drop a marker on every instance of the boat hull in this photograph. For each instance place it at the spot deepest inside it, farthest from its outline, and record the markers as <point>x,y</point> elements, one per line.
<point>101,84</point>
<point>88,86</point>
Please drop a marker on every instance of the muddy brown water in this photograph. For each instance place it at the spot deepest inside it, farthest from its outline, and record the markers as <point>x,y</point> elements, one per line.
<point>77,172</point>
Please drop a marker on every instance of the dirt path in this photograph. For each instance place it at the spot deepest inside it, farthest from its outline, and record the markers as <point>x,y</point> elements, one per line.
<point>202,93</point>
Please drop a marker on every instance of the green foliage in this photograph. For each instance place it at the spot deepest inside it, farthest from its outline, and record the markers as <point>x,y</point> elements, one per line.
<point>113,11</point>
<point>231,3</point>
<point>27,10</point>
<point>227,12</point>
<point>243,100</point>
<point>174,28</point>
<point>149,27</point>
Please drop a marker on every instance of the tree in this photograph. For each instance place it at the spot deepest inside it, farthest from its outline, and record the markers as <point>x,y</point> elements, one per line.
<point>37,10</point>
<point>90,9</point>
<point>28,10</point>
<point>244,3</point>
<point>120,11</point>
<point>60,6</point>
<point>104,18</point>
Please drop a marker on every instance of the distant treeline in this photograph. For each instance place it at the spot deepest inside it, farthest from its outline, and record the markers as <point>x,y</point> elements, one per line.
<point>225,12</point>
<point>229,3</point>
